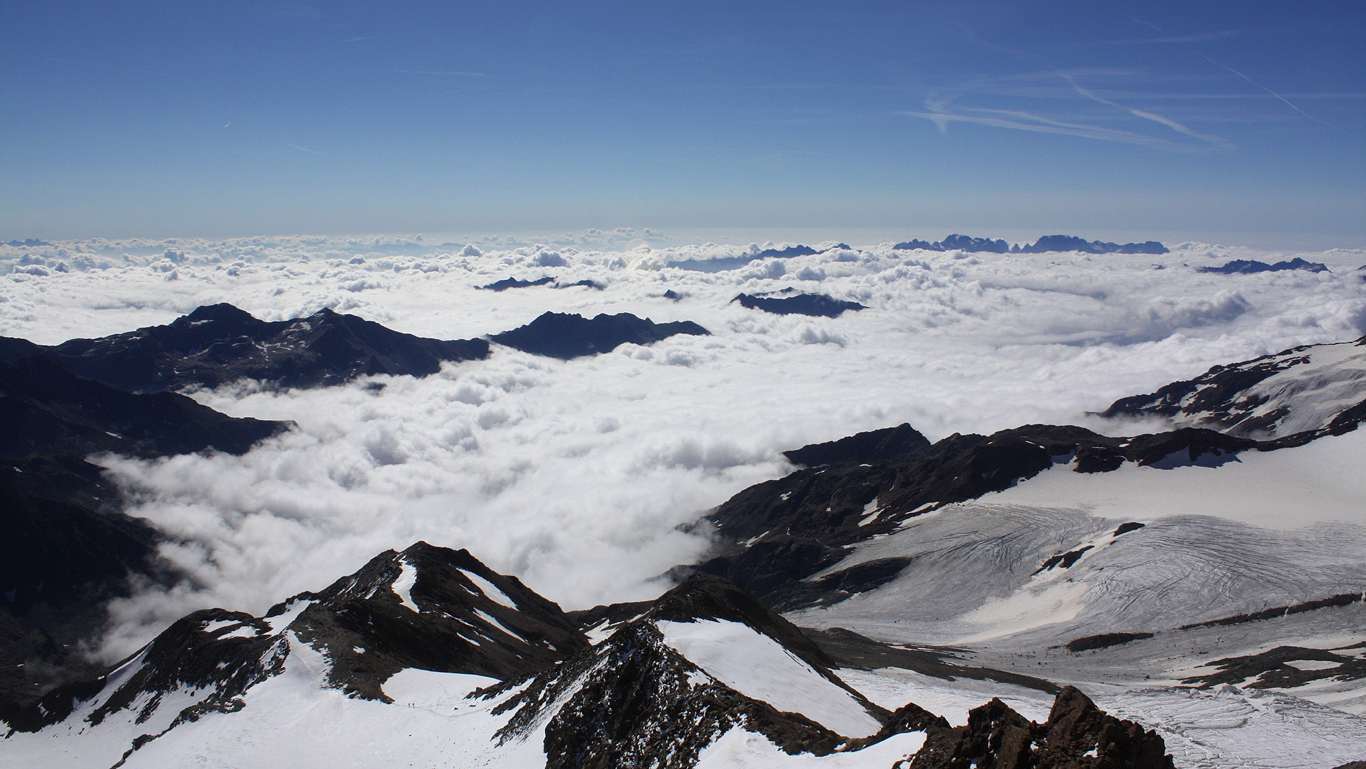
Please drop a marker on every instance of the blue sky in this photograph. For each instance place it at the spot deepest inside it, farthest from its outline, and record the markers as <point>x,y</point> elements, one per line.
<point>1244,121</point>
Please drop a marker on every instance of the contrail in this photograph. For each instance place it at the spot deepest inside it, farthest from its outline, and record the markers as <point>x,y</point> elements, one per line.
<point>1166,121</point>
<point>1268,90</point>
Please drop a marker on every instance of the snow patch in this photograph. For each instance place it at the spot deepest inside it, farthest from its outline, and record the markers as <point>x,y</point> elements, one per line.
<point>740,748</point>
<point>759,667</point>
<point>403,584</point>
<point>490,590</point>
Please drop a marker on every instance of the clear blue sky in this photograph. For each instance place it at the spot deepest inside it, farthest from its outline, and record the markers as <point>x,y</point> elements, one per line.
<point>216,119</point>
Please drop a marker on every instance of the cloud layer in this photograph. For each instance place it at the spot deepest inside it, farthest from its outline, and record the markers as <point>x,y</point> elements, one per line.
<point>577,476</point>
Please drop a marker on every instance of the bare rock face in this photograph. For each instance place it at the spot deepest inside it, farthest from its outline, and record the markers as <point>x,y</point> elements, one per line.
<point>633,701</point>
<point>1077,735</point>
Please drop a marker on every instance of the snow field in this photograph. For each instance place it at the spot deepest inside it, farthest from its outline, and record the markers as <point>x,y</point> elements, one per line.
<point>757,666</point>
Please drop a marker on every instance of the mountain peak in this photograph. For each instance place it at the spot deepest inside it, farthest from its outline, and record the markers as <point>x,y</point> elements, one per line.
<point>222,312</point>
<point>566,335</point>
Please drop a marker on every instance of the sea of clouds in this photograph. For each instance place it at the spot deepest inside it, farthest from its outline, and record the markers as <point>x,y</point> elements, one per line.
<point>582,477</point>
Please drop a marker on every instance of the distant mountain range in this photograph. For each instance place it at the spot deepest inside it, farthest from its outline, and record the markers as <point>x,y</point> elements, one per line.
<point>1250,266</point>
<point>1044,245</point>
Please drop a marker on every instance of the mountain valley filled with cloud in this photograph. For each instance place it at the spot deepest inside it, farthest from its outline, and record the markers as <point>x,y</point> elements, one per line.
<point>603,476</point>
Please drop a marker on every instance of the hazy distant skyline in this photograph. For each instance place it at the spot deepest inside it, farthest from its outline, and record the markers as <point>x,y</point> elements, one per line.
<point>206,119</point>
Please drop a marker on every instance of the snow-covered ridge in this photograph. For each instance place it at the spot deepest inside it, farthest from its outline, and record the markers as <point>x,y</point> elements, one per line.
<point>1298,390</point>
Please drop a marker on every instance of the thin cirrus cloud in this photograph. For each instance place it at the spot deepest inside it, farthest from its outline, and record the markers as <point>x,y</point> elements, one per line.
<point>1052,99</point>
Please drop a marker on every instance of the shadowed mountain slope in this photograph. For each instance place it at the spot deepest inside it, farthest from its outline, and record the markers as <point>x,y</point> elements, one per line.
<point>220,344</point>
<point>566,336</point>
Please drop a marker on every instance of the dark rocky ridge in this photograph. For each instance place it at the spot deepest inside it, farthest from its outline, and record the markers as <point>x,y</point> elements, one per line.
<point>47,410</point>
<point>793,251</point>
<point>220,344</point>
<point>1274,668</point>
<point>872,446</point>
<point>506,283</point>
<point>359,623</point>
<point>638,702</point>
<point>1044,245</point>
<point>567,336</point>
<point>1077,735</point>
<point>1251,266</point>
<point>795,303</point>
<point>958,243</point>
<point>1104,641</point>
<point>1054,243</point>
<point>448,634</point>
<point>776,534</point>
<point>852,650</point>
<point>634,701</point>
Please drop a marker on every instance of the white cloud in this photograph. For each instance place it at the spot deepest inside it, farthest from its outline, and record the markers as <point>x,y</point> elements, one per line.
<point>574,475</point>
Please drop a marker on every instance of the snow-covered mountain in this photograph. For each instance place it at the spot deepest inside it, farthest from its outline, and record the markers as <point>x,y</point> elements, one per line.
<point>428,652</point>
<point>1314,388</point>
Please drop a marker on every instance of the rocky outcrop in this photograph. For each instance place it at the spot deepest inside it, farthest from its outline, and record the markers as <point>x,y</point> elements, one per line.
<point>567,336</point>
<point>872,446</point>
<point>1251,266</point>
<point>1077,735</point>
<point>796,303</point>
<point>468,619</point>
<point>633,700</point>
